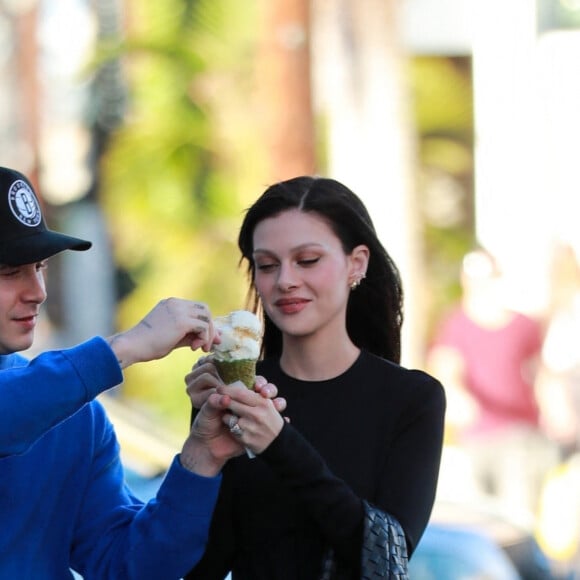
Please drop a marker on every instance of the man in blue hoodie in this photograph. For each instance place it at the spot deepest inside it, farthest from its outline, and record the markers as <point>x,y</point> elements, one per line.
<point>63,501</point>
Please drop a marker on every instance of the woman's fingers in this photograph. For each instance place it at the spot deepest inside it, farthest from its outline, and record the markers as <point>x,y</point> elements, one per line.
<point>252,419</point>
<point>200,383</point>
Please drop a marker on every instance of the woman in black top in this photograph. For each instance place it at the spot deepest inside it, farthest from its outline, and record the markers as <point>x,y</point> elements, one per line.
<point>362,447</point>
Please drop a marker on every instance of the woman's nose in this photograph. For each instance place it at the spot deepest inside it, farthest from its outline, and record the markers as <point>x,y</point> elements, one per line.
<point>287,278</point>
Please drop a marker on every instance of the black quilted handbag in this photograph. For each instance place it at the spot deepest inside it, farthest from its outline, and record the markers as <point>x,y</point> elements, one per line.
<point>384,550</point>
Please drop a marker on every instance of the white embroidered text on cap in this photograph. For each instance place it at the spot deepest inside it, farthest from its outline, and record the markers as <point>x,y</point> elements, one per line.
<point>23,204</point>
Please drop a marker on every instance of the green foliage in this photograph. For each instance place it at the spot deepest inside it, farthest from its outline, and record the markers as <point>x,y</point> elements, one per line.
<point>170,194</point>
<point>443,96</point>
<point>443,99</point>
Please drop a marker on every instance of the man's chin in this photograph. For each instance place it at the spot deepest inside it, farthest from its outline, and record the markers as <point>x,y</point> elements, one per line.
<point>17,346</point>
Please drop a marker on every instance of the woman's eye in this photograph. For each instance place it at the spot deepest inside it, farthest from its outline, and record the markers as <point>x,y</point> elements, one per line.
<point>308,261</point>
<point>265,267</point>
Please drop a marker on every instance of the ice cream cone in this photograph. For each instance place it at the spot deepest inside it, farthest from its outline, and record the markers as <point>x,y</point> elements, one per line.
<point>236,355</point>
<point>237,370</point>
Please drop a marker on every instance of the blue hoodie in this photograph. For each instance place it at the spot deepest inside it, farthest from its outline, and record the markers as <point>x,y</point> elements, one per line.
<point>63,501</point>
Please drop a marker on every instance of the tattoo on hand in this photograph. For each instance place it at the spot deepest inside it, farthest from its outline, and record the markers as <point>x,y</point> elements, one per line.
<point>110,341</point>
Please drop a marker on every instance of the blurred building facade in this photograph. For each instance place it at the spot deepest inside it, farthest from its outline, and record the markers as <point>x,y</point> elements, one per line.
<point>527,124</point>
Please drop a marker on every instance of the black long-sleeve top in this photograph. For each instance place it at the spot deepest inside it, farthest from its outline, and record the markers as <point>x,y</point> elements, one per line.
<point>374,433</point>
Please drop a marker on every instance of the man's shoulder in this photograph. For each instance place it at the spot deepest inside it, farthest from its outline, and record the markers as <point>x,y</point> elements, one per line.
<point>14,360</point>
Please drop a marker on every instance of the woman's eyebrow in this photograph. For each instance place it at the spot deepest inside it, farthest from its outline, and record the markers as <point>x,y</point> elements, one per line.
<point>294,249</point>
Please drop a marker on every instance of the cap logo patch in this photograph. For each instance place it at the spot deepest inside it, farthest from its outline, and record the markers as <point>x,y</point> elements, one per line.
<point>23,204</point>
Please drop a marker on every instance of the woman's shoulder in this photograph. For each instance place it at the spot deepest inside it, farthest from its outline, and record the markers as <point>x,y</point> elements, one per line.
<point>412,380</point>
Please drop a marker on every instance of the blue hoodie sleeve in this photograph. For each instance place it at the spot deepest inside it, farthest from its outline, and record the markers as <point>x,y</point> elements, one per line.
<point>120,538</point>
<point>50,388</point>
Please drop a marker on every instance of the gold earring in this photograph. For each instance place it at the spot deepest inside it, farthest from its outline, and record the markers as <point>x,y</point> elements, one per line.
<point>356,282</point>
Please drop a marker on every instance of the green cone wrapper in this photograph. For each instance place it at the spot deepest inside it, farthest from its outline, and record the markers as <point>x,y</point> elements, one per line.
<point>237,370</point>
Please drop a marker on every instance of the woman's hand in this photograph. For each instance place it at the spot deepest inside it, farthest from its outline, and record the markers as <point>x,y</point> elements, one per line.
<point>203,380</point>
<point>253,418</point>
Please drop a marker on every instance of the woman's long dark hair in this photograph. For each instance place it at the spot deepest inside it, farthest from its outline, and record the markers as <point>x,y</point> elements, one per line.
<point>375,309</point>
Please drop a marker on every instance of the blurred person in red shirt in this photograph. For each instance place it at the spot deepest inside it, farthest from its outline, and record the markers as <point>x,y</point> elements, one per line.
<point>487,356</point>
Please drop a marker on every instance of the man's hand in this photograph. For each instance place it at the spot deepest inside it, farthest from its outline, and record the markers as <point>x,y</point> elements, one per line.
<point>173,323</point>
<point>210,443</point>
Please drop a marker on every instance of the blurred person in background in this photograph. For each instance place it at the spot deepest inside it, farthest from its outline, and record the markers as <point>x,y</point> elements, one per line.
<point>345,489</point>
<point>488,356</point>
<point>559,519</point>
<point>63,500</point>
<point>560,372</point>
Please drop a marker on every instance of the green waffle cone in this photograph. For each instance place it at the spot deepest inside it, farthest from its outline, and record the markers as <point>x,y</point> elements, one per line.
<point>237,370</point>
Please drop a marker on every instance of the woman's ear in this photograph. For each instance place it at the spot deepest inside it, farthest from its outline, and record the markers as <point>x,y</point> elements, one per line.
<point>359,262</point>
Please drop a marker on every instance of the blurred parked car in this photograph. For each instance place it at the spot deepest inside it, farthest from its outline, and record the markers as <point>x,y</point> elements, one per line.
<point>458,553</point>
<point>476,542</point>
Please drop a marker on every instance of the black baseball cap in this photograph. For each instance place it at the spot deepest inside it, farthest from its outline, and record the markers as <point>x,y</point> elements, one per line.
<point>24,236</point>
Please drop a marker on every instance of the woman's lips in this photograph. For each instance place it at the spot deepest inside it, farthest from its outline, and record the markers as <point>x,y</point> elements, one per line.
<point>291,305</point>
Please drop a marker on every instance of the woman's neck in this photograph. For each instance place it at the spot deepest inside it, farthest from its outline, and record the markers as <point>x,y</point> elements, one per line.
<point>308,359</point>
